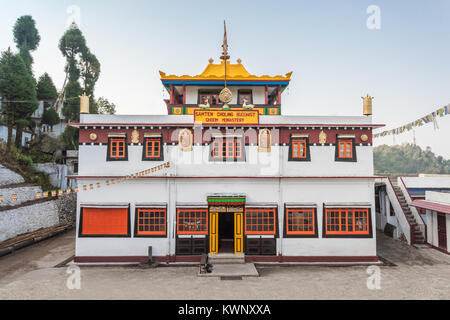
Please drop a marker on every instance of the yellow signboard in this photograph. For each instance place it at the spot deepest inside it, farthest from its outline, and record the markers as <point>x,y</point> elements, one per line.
<point>233,117</point>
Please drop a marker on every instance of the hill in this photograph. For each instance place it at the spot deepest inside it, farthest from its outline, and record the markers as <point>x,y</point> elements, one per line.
<point>408,158</point>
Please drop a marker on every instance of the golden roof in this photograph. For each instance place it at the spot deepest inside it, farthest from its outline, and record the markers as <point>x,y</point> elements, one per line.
<point>235,72</point>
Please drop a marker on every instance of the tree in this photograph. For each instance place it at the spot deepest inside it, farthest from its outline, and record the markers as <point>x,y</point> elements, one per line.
<point>46,90</point>
<point>90,72</point>
<point>27,38</point>
<point>105,107</point>
<point>18,91</point>
<point>50,117</point>
<point>72,45</point>
<point>80,62</point>
<point>408,158</point>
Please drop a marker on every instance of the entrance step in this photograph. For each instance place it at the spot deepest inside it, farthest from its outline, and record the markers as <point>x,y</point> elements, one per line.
<point>226,258</point>
<point>232,270</point>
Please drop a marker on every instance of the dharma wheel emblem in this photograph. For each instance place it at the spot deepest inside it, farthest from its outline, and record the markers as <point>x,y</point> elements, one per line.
<point>225,96</point>
<point>93,136</point>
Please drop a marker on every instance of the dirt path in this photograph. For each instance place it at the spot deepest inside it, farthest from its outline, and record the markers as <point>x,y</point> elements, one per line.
<point>45,254</point>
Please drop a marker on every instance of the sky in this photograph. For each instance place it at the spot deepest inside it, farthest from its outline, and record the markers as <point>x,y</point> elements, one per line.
<point>334,56</point>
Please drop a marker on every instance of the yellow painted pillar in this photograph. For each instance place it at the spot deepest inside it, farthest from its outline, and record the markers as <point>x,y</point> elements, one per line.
<point>238,232</point>
<point>213,232</point>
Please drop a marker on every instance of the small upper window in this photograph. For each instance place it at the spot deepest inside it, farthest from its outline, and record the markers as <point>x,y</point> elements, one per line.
<point>152,150</point>
<point>299,149</point>
<point>227,149</point>
<point>247,95</point>
<point>117,149</point>
<point>211,97</point>
<point>345,149</point>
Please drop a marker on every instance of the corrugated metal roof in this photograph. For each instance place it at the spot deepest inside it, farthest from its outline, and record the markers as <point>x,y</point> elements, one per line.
<point>435,206</point>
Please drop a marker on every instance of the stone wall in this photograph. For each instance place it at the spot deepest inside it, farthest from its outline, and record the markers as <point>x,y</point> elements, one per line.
<point>9,177</point>
<point>56,173</point>
<point>27,219</point>
<point>17,218</point>
<point>24,194</point>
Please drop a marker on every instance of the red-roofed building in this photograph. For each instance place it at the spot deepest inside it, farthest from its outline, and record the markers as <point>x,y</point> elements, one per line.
<point>437,207</point>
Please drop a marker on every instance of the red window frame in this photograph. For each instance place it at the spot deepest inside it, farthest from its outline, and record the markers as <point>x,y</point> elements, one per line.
<point>347,221</point>
<point>192,221</point>
<point>151,221</point>
<point>345,149</point>
<point>117,148</point>
<point>303,224</point>
<point>104,222</point>
<point>152,147</point>
<point>297,145</point>
<point>260,221</point>
<point>227,148</point>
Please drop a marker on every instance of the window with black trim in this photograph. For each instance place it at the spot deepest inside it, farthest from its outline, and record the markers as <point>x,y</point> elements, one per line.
<point>227,149</point>
<point>104,222</point>
<point>345,149</point>
<point>301,222</point>
<point>260,221</point>
<point>211,96</point>
<point>245,94</point>
<point>150,222</point>
<point>192,221</point>
<point>152,149</point>
<point>117,149</point>
<point>347,222</point>
<point>299,149</point>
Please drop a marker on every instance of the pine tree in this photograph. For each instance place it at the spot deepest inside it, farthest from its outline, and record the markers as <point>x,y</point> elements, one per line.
<point>47,92</point>
<point>27,39</point>
<point>81,64</point>
<point>18,91</point>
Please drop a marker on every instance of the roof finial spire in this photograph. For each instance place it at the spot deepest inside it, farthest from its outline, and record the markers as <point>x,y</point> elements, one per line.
<point>225,55</point>
<point>225,95</point>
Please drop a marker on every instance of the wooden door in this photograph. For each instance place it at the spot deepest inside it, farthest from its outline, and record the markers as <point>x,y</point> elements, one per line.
<point>442,232</point>
<point>238,233</point>
<point>213,232</point>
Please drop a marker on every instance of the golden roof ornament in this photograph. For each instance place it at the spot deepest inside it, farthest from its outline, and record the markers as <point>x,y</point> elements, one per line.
<point>211,60</point>
<point>367,105</point>
<point>239,61</point>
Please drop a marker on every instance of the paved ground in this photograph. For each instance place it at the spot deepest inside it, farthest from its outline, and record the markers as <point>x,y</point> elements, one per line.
<point>30,274</point>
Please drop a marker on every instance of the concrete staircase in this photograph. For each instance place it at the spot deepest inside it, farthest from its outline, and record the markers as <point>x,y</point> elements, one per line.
<point>419,237</point>
<point>226,258</point>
